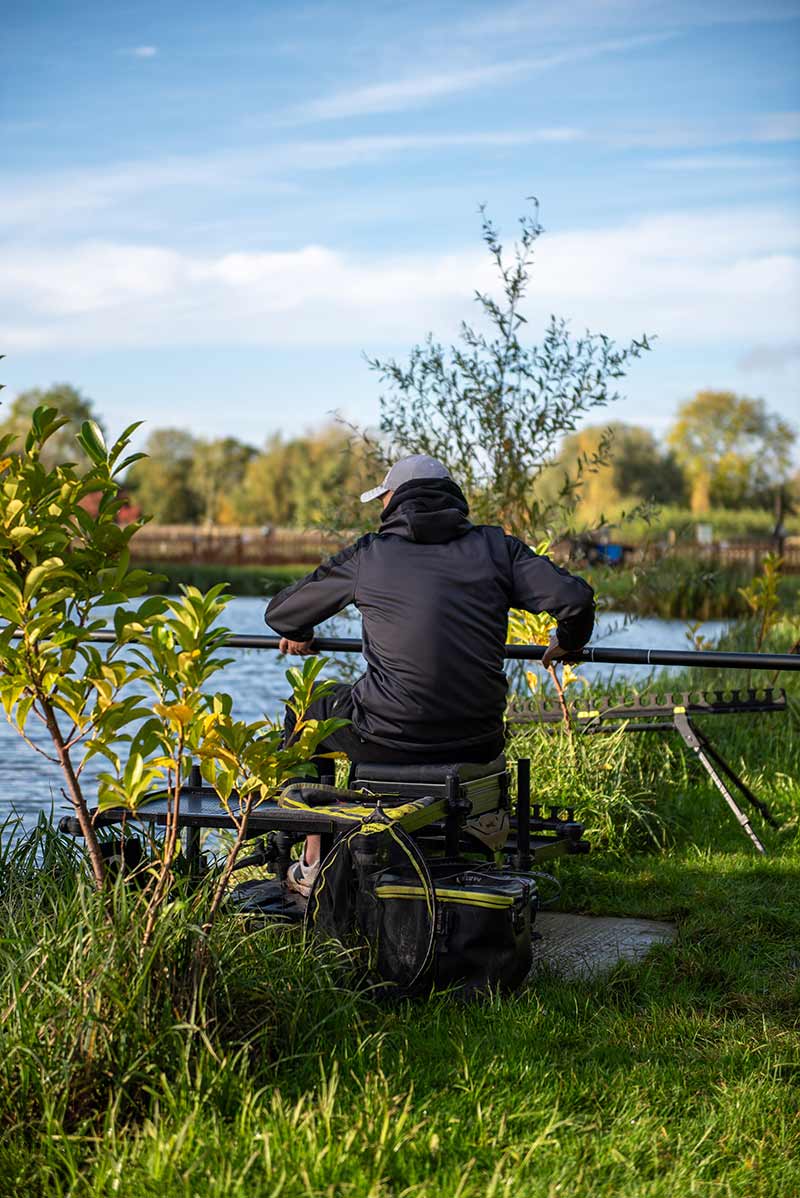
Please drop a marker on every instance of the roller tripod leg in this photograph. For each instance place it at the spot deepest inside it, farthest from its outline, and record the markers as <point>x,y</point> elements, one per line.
<point>694,741</point>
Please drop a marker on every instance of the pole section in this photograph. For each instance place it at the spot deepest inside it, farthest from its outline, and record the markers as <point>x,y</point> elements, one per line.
<point>706,659</point>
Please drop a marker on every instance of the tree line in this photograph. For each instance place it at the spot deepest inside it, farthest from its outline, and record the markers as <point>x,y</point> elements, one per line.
<point>721,451</point>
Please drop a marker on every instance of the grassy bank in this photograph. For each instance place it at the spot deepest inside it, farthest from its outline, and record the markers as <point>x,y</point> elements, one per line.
<point>727,524</point>
<point>241,580</point>
<point>675,588</point>
<point>672,589</point>
<point>676,1077</point>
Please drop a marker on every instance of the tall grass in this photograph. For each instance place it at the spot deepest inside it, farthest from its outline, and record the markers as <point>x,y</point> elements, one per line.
<point>674,1077</point>
<point>95,1029</point>
<point>607,780</point>
<point>678,588</point>
<point>640,790</point>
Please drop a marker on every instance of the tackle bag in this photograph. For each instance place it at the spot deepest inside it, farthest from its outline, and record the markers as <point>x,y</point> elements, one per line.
<point>479,923</point>
<point>423,923</point>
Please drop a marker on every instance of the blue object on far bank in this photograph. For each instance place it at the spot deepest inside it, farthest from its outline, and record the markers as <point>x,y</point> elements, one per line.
<point>612,555</point>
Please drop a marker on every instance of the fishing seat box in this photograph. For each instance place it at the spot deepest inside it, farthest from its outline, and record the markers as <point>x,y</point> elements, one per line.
<point>411,781</point>
<point>467,788</point>
<point>459,780</point>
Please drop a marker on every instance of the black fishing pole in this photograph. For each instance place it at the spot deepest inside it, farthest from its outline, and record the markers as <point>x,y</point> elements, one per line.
<point>706,658</point>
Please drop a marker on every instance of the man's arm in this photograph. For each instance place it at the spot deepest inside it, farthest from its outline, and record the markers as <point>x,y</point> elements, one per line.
<point>295,611</point>
<point>540,586</point>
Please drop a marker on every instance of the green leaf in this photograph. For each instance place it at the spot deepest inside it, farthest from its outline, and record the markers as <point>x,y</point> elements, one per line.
<point>111,598</point>
<point>134,769</point>
<point>128,461</point>
<point>53,598</point>
<point>121,443</point>
<point>45,422</point>
<point>224,783</point>
<point>93,747</point>
<point>92,442</point>
<point>36,576</point>
<point>23,710</point>
<point>22,533</point>
<point>153,606</point>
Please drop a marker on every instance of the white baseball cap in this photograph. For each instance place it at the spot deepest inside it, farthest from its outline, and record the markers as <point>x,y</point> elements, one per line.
<point>418,465</point>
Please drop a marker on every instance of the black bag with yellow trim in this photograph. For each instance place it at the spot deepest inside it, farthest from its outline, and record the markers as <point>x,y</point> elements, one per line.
<point>480,922</point>
<point>423,923</point>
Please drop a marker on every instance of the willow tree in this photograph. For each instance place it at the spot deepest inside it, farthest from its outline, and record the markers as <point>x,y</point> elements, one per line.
<point>495,406</point>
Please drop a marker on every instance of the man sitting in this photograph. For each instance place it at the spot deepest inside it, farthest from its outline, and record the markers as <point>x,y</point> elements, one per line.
<point>434,593</point>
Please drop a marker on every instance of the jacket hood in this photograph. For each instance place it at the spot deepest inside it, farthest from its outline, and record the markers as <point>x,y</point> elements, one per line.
<point>430,511</point>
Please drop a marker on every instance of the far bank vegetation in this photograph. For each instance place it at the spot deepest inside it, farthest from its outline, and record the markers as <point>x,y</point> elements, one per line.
<point>725,459</point>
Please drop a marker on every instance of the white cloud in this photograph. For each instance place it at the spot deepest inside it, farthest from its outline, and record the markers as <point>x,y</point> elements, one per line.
<point>710,162</point>
<point>777,126</point>
<point>398,95</point>
<point>54,200</point>
<point>719,278</point>
<point>769,358</point>
<point>401,94</point>
<point>550,15</point>
<point>33,200</point>
<point>768,128</point>
<point>144,51</point>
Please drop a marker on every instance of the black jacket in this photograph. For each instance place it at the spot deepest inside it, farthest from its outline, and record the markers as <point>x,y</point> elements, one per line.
<point>434,592</point>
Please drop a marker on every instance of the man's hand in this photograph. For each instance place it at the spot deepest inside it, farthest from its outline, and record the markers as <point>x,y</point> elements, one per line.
<point>304,648</point>
<point>553,653</point>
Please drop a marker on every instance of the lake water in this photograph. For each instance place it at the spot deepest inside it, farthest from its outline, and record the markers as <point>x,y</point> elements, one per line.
<point>256,679</point>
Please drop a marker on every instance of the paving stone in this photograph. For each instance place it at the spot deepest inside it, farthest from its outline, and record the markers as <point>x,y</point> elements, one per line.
<point>583,946</point>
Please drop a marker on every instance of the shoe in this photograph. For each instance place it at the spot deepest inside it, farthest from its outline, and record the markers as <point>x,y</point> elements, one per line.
<point>301,877</point>
<point>490,829</point>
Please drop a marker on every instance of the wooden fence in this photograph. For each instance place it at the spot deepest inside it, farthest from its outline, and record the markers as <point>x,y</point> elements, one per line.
<point>747,555</point>
<point>231,546</point>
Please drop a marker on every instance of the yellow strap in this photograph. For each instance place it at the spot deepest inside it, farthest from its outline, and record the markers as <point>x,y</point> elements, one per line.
<point>350,811</point>
<point>427,889</point>
<point>447,896</point>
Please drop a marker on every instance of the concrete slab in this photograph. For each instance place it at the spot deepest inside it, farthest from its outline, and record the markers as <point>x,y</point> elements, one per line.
<point>583,946</point>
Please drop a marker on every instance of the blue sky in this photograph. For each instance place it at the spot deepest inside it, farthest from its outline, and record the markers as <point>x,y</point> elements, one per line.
<point>209,211</point>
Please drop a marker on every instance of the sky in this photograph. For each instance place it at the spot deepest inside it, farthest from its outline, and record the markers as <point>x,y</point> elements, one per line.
<point>209,213</point>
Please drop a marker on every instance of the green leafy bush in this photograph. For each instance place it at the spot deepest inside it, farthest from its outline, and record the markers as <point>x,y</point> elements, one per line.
<point>141,701</point>
<point>59,567</point>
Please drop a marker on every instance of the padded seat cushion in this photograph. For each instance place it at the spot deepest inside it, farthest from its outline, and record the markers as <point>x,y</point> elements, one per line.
<point>467,771</point>
<point>314,794</point>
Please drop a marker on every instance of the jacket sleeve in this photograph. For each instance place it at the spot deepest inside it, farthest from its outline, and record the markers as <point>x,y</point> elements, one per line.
<point>539,586</point>
<point>297,609</point>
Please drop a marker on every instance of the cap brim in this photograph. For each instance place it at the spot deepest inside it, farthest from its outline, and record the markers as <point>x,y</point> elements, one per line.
<point>375,493</point>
